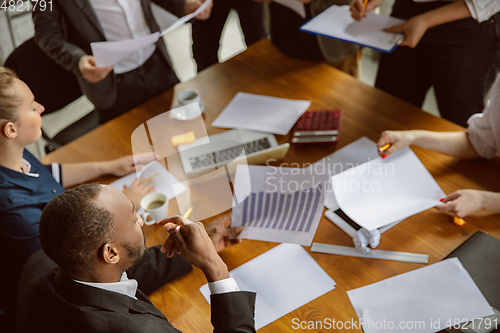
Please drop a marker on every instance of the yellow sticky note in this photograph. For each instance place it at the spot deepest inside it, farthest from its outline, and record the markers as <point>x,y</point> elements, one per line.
<point>183,138</point>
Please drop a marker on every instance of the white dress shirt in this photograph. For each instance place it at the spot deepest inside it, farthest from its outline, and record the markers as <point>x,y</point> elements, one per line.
<point>124,19</point>
<point>128,286</point>
<point>482,10</point>
<point>484,128</point>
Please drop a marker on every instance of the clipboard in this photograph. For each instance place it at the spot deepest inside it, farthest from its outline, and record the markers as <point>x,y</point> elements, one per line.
<point>336,22</point>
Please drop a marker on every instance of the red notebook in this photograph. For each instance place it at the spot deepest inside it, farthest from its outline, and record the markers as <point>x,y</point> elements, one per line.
<point>317,127</point>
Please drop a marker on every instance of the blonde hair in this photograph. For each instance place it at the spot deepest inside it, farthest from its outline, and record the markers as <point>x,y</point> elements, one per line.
<point>8,101</point>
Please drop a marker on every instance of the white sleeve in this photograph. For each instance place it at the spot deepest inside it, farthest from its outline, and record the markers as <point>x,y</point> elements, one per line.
<point>483,10</point>
<point>223,286</point>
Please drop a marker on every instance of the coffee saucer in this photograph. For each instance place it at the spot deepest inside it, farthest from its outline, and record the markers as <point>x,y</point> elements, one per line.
<point>180,116</point>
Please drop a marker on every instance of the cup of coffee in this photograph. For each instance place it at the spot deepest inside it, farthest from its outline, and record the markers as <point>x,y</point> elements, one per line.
<point>189,105</point>
<point>155,206</point>
<point>188,96</point>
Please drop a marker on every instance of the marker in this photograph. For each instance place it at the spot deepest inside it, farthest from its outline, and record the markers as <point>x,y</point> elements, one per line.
<point>364,7</point>
<point>148,179</point>
<point>384,148</point>
<point>458,221</point>
<point>145,180</point>
<point>186,214</point>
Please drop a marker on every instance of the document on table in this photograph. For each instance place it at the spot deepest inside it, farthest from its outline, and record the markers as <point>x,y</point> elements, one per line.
<point>278,204</point>
<point>294,5</point>
<point>261,113</point>
<point>164,181</point>
<point>284,278</point>
<point>383,191</point>
<point>355,153</point>
<point>111,53</point>
<point>336,22</point>
<point>429,299</point>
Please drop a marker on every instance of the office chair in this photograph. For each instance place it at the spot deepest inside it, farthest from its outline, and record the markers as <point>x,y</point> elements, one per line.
<point>53,87</point>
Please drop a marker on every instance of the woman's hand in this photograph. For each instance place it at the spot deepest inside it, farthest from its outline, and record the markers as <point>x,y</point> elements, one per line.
<point>358,10</point>
<point>397,139</point>
<point>413,29</point>
<point>124,165</point>
<point>465,202</point>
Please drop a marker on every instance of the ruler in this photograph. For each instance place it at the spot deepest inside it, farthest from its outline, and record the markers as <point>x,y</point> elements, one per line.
<point>377,254</point>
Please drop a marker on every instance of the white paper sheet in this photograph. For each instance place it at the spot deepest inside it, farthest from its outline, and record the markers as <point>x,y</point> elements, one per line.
<point>279,204</point>
<point>336,22</point>
<point>284,278</point>
<point>261,113</point>
<point>165,182</point>
<point>380,191</point>
<point>111,53</point>
<point>355,153</point>
<point>294,5</point>
<point>428,299</point>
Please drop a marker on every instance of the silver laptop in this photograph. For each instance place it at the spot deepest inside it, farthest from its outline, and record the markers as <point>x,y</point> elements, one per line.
<point>209,153</point>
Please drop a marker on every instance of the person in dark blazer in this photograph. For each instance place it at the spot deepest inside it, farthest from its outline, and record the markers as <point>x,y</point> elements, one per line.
<point>95,243</point>
<point>65,32</point>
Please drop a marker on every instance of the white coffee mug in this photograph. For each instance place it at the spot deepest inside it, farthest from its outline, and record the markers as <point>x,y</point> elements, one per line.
<point>155,206</point>
<point>188,97</point>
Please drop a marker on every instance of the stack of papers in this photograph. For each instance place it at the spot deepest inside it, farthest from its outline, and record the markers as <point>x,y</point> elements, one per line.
<point>261,113</point>
<point>284,278</point>
<point>428,299</point>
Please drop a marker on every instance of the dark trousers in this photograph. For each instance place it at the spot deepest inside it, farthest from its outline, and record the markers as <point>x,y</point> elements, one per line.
<point>206,34</point>
<point>456,58</point>
<point>140,85</point>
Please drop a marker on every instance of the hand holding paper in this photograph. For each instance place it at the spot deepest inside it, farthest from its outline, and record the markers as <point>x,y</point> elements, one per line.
<point>413,29</point>
<point>110,53</point>
<point>193,6</point>
<point>90,71</point>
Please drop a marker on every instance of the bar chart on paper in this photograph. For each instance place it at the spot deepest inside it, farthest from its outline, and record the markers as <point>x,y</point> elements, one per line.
<point>281,211</point>
<point>269,213</point>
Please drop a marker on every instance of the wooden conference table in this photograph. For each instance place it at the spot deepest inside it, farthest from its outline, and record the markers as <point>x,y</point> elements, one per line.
<point>262,69</point>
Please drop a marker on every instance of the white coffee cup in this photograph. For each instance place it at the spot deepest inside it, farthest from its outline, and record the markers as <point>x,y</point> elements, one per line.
<point>155,206</point>
<point>188,96</point>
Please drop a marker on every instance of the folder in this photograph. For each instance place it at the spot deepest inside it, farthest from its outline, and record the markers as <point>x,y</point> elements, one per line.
<point>336,22</point>
<point>480,256</point>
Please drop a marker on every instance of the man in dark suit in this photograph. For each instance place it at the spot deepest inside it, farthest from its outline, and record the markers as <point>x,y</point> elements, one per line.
<point>95,244</point>
<point>64,32</point>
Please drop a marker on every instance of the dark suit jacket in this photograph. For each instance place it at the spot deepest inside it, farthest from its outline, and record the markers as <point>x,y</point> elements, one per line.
<point>65,33</point>
<point>51,302</point>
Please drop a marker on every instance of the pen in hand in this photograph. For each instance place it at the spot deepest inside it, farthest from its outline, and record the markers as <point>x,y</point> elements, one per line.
<point>364,7</point>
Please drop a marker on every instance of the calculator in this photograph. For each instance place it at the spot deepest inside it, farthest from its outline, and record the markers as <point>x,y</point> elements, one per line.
<point>321,126</point>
